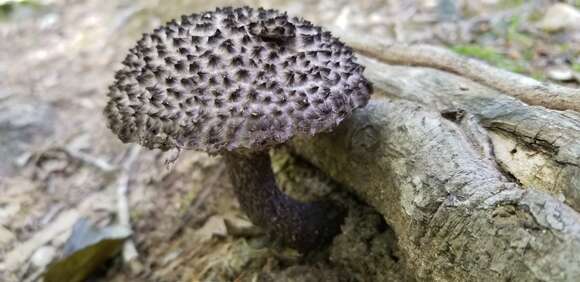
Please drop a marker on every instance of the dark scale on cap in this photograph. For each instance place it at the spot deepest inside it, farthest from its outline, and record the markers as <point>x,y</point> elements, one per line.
<point>276,76</point>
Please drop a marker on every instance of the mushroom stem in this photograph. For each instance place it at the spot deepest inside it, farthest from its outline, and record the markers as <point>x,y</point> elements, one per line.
<point>303,226</point>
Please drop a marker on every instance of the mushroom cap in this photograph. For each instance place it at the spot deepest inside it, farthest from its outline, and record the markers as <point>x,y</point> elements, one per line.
<point>232,79</point>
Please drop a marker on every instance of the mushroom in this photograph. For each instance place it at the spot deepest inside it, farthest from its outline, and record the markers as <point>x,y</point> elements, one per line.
<point>237,82</point>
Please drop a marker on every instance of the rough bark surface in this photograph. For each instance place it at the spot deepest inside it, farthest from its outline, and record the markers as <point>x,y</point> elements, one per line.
<point>476,184</point>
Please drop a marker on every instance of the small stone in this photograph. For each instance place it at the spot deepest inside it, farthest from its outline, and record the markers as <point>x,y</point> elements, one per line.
<point>43,256</point>
<point>560,74</point>
<point>560,17</point>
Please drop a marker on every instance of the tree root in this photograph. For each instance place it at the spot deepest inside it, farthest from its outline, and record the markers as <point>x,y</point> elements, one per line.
<point>528,90</point>
<point>476,184</point>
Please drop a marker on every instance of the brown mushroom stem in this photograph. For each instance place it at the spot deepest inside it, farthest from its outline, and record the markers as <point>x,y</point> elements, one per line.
<point>304,226</point>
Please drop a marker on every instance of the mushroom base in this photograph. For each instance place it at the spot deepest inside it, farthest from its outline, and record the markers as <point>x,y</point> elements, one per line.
<point>304,226</point>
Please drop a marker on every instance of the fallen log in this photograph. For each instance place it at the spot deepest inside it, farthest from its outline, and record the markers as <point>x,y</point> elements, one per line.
<point>476,184</point>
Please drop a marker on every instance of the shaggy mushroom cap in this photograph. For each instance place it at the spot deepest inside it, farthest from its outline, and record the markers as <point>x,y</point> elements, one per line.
<point>233,78</point>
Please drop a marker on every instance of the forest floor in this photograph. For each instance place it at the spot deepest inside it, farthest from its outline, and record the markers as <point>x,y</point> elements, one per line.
<point>59,163</point>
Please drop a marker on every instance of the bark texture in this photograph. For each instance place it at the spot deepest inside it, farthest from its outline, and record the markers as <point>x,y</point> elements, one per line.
<point>476,184</point>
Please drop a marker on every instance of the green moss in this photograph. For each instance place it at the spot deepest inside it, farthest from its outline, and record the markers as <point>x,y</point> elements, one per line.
<point>514,36</point>
<point>537,75</point>
<point>483,53</point>
<point>506,4</point>
<point>7,7</point>
<point>576,67</point>
<point>536,15</point>
<point>566,47</point>
<point>529,54</point>
<point>491,56</point>
<point>188,199</point>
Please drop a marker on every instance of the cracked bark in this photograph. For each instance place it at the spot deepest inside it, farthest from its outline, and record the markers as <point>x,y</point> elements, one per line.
<point>476,184</point>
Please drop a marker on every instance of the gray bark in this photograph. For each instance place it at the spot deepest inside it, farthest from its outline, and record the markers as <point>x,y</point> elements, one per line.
<point>476,184</point>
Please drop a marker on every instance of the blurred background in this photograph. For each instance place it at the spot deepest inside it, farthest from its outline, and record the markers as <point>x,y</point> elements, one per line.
<point>59,163</point>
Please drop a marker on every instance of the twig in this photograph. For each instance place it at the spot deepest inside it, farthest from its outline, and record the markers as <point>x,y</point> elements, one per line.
<point>129,249</point>
<point>526,89</point>
<point>92,160</point>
